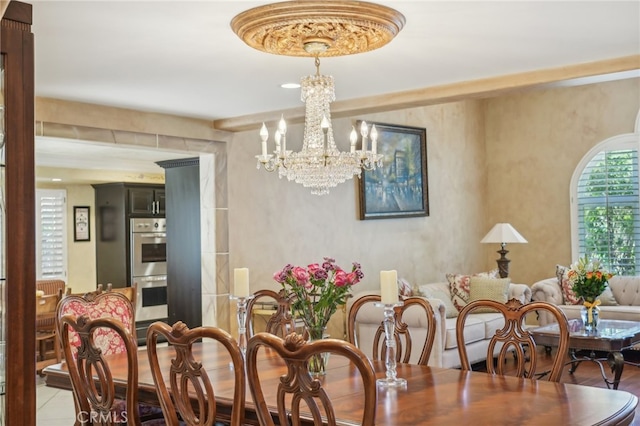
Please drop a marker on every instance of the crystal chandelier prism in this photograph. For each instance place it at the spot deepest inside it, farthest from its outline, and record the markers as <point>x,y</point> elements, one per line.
<point>318,28</point>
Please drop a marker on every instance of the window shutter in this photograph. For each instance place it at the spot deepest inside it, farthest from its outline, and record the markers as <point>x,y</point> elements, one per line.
<point>608,199</point>
<point>51,234</point>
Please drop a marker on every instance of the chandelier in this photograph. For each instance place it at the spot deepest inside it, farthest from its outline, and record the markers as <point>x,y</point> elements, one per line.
<point>318,29</point>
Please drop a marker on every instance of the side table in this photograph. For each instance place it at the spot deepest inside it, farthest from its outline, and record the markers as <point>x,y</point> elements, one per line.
<point>612,336</point>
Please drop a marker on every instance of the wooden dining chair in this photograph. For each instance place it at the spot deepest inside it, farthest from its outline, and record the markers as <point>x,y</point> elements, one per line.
<point>515,338</point>
<point>297,388</point>
<point>91,377</point>
<point>100,305</point>
<point>96,305</point>
<point>278,321</point>
<point>45,327</point>
<point>188,379</point>
<point>402,333</point>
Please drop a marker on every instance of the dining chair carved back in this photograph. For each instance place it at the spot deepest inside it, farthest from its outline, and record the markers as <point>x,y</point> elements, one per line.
<point>515,338</point>
<point>91,377</point>
<point>100,305</point>
<point>297,387</point>
<point>418,307</point>
<point>280,322</point>
<point>188,377</point>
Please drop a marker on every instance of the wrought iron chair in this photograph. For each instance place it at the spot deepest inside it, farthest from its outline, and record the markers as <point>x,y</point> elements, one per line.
<point>514,337</point>
<point>297,387</point>
<point>185,369</point>
<point>402,334</point>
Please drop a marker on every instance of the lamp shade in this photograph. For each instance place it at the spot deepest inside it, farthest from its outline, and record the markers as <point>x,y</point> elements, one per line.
<point>503,233</point>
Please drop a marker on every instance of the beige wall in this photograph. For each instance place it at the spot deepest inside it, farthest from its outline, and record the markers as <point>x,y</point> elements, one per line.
<point>534,142</point>
<point>81,261</point>
<point>274,222</point>
<point>508,158</point>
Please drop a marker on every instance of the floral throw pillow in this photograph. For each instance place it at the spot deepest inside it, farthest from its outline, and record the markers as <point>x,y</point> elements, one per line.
<point>568,295</point>
<point>404,288</point>
<point>459,286</point>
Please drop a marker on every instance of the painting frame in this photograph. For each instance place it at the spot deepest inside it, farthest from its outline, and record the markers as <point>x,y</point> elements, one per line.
<point>384,193</point>
<point>81,223</point>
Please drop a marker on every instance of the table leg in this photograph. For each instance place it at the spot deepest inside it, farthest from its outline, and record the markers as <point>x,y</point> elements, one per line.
<point>575,362</point>
<point>616,362</point>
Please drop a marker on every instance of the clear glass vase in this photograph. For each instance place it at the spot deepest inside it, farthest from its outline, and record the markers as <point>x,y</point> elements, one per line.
<point>318,362</point>
<point>590,319</point>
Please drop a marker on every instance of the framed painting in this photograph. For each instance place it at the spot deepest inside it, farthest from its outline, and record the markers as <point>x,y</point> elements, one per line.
<point>399,187</point>
<point>81,223</point>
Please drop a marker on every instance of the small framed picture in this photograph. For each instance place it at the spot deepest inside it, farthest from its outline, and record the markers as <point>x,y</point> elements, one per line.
<point>81,223</point>
<point>399,187</point>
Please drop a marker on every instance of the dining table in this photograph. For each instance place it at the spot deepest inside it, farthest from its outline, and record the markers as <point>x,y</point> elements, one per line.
<point>432,395</point>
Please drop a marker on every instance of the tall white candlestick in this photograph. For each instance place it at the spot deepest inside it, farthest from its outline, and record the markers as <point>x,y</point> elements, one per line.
<point>241,282</point>
<point>389,287</point>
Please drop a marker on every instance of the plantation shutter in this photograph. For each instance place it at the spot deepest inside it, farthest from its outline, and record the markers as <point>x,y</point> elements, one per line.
<point>608,199</point>
<point>51,235</point>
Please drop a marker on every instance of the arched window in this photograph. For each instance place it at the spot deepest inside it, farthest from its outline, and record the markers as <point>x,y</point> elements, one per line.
<point>605,204</point>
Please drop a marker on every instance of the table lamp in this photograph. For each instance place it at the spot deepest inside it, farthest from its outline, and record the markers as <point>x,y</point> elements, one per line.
<point>503,233</point>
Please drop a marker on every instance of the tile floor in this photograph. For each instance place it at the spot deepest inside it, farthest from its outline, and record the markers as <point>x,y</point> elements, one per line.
<point>54,407</point>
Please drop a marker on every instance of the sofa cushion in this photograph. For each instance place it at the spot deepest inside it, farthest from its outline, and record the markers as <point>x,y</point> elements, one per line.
<point>477,327</point>
<point>496,289</point>
<point>569,296</point>
<point>474,331</point>
<point>607,298</point>
<point>445,297</point>
<point>459,286</point>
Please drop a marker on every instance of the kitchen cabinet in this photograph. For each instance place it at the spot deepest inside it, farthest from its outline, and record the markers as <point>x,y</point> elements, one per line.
<point>147,201</point>
<point>116,204</point>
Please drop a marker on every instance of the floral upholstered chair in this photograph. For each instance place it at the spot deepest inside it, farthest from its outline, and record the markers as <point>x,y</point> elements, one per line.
<point>97,305</point>
<point>102,305</point>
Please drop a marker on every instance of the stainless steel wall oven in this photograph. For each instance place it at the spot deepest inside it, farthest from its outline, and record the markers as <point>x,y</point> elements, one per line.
<point>149,267</point>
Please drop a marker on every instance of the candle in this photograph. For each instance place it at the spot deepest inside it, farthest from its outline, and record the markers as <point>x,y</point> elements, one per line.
<point>241,282</point>
<point>389,287</point>
<point>374,140</point>
<point>353,139</point>
<point>264,135</point>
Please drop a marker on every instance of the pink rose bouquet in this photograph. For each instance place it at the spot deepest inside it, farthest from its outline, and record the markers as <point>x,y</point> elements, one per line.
<point>319,290</point>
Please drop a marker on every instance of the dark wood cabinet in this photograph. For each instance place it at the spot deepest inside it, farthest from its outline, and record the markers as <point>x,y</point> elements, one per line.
<point>184,276</point>
<point>116,204</point>
<point>147,201</point>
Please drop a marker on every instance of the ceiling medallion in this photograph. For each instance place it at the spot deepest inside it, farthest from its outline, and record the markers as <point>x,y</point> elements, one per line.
<point>344,27</point>
<point>318,29</point>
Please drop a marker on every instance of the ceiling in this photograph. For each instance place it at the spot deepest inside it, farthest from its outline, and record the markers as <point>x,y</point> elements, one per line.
<point>182,58</point>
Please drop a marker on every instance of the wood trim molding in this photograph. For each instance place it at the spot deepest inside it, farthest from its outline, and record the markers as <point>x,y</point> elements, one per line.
<point>17,48</point>
<point>483,88</point>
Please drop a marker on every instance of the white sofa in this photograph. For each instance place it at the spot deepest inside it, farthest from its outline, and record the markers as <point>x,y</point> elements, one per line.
<point>478,329</point>
<point>625,289</point>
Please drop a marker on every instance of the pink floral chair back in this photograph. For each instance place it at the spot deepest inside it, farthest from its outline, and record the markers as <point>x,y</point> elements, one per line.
<point>102,305</point>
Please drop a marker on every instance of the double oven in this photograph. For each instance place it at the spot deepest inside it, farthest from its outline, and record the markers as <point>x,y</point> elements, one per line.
<point>149,270</point>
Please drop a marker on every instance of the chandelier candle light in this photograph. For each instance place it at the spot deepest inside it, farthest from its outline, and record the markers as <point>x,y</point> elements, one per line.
<point>388,301</point>
<point>241,294</point>
<point>318,28</point>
